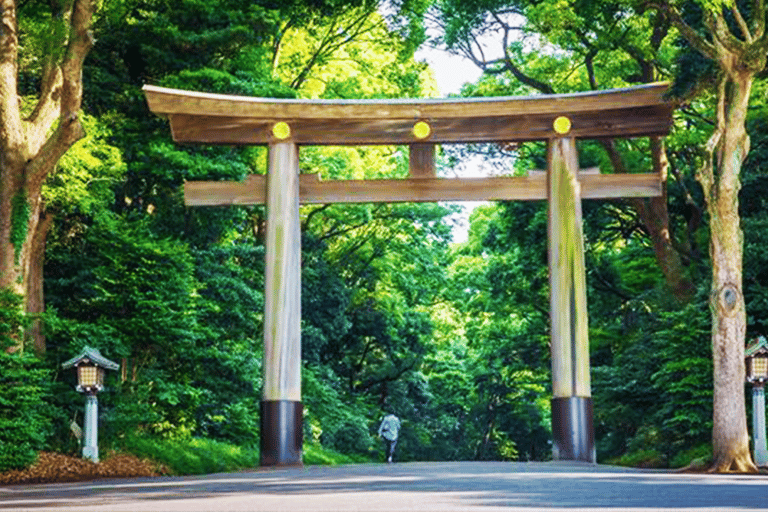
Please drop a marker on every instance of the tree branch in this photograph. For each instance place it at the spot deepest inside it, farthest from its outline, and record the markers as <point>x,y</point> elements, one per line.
<point>741,22</point>
<point>47,109</point>
<point>332,41</point>
<point>69,130</point>
<point>705,175</point>
<point>314,212</point>
<point>698,42</point>
<point>516,72</point>
<point>64,137</point>
<point>758,19</point>
<point>722,33</point>
<point>10,115</point>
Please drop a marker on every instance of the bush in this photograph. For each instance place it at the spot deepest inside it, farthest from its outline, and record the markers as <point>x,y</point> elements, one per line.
<point>12,318</point>
<point>332,419</point>
<point>643,459</point>
<point>25,417</point>
<point>699,455</point>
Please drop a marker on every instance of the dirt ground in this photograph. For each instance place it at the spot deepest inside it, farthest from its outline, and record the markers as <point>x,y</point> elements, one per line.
<point>57,468</point>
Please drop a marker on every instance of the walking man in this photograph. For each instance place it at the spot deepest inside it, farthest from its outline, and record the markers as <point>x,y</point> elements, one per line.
<point>389,430</point>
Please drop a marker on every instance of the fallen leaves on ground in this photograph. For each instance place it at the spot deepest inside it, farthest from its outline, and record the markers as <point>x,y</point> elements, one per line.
<point>57,467</point>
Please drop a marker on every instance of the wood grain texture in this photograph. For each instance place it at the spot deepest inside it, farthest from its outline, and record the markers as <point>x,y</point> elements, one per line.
<point>567,274</point>
<point>606,123</point>
<point>165,101</point>
<point>282,280</point>
<point>314,191</point>
<point>222,119</point>
<point>421,162</point>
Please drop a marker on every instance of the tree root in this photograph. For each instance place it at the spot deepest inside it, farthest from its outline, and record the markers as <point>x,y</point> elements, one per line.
<point>734,464</point>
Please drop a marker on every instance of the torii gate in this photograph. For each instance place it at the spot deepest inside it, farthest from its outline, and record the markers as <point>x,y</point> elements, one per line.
<point>285,125</point>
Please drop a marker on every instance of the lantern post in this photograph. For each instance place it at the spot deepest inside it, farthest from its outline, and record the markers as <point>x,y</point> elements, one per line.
<point>90,366</point>
<point>756,358</point>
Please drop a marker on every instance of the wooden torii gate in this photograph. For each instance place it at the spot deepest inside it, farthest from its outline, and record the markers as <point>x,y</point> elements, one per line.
<point>285,125</point>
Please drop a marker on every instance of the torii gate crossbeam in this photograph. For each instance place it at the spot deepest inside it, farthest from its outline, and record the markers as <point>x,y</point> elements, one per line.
<point>285,125</point>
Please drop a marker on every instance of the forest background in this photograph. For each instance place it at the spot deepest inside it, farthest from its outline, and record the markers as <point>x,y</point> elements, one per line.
<point>453,337</point>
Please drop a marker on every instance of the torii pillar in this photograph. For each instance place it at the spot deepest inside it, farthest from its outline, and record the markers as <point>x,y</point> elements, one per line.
<point>572,424</point>
<point>281,407</point>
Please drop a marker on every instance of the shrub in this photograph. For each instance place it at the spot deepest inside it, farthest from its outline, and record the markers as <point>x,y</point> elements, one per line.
<point>25,422</point>
<point>643,459</point>
<point>699,455</point>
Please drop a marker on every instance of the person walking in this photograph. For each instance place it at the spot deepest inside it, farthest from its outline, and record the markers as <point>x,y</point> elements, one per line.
<point>389,430</point>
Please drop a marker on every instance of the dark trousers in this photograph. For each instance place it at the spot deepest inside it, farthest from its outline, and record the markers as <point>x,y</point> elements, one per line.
<point>390,447</point>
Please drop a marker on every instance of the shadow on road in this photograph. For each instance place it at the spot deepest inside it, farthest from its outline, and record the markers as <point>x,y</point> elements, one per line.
<point>461,485</point>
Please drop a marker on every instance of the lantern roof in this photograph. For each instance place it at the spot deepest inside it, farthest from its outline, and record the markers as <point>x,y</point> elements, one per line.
<point>91,355</point>
<point>758,346</point>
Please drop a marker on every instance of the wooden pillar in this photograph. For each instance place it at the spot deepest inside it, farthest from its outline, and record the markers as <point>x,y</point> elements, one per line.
<point>281,408</point>
<point>572,424</point>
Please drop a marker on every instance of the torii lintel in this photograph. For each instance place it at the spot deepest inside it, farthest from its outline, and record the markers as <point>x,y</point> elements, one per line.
<point>205,118</point>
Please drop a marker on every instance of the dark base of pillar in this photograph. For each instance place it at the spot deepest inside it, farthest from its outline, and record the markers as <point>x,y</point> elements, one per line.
<point>281,433</point>
<point>573,430</point>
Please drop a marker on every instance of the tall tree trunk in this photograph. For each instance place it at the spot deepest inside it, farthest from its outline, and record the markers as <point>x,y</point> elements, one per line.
<point>738,47</point>
<point>30,147</point>
<point>728,148</point>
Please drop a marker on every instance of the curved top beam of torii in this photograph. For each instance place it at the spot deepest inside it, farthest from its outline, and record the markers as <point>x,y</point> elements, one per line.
<point>204,118</point>
<point>222,119</point>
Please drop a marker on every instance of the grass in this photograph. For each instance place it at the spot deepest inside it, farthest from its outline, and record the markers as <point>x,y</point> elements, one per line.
<point>193,456</point>
<point>198,456</point>
<point>315,455</point>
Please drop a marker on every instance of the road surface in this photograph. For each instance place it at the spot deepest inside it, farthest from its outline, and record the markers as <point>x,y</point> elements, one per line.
<point>456,486</point>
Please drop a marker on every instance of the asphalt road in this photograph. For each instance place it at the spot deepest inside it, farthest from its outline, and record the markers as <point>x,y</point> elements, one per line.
<point>464,486</point>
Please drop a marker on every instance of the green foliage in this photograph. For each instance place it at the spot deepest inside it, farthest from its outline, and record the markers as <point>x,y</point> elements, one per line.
<point>25,414</point>
<point>197,456</point>
<point>221,82</point>
<point>658,390</point>
<point>454,339</point>
<point>501,288</point>
<point>19,223</point>
<point>330,418</point>
<point>648,458</point>
<point>698,456</point>
<point>192,456</point>
<point>12,318</point>
<point>752,208</point>
<point>136,297</point>
<point>317,455</point>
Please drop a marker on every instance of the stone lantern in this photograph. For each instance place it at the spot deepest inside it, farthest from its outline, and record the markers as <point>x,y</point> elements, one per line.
<point>90,366</point>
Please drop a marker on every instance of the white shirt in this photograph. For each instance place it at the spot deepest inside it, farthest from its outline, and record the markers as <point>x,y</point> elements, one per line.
<point>390,427</point>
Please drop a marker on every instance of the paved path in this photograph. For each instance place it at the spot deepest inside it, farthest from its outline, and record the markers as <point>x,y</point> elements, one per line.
<point>464,486</point>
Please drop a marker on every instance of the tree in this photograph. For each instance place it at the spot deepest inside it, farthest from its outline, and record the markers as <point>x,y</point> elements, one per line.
<point>732,36</point>
<point>590,45</point>
<point>36,132</point>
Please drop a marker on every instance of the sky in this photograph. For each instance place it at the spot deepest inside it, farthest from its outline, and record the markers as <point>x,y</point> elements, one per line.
<point>451,71</point>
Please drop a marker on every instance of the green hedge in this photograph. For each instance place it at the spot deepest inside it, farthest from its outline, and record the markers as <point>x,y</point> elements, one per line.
<point>25,421</point>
